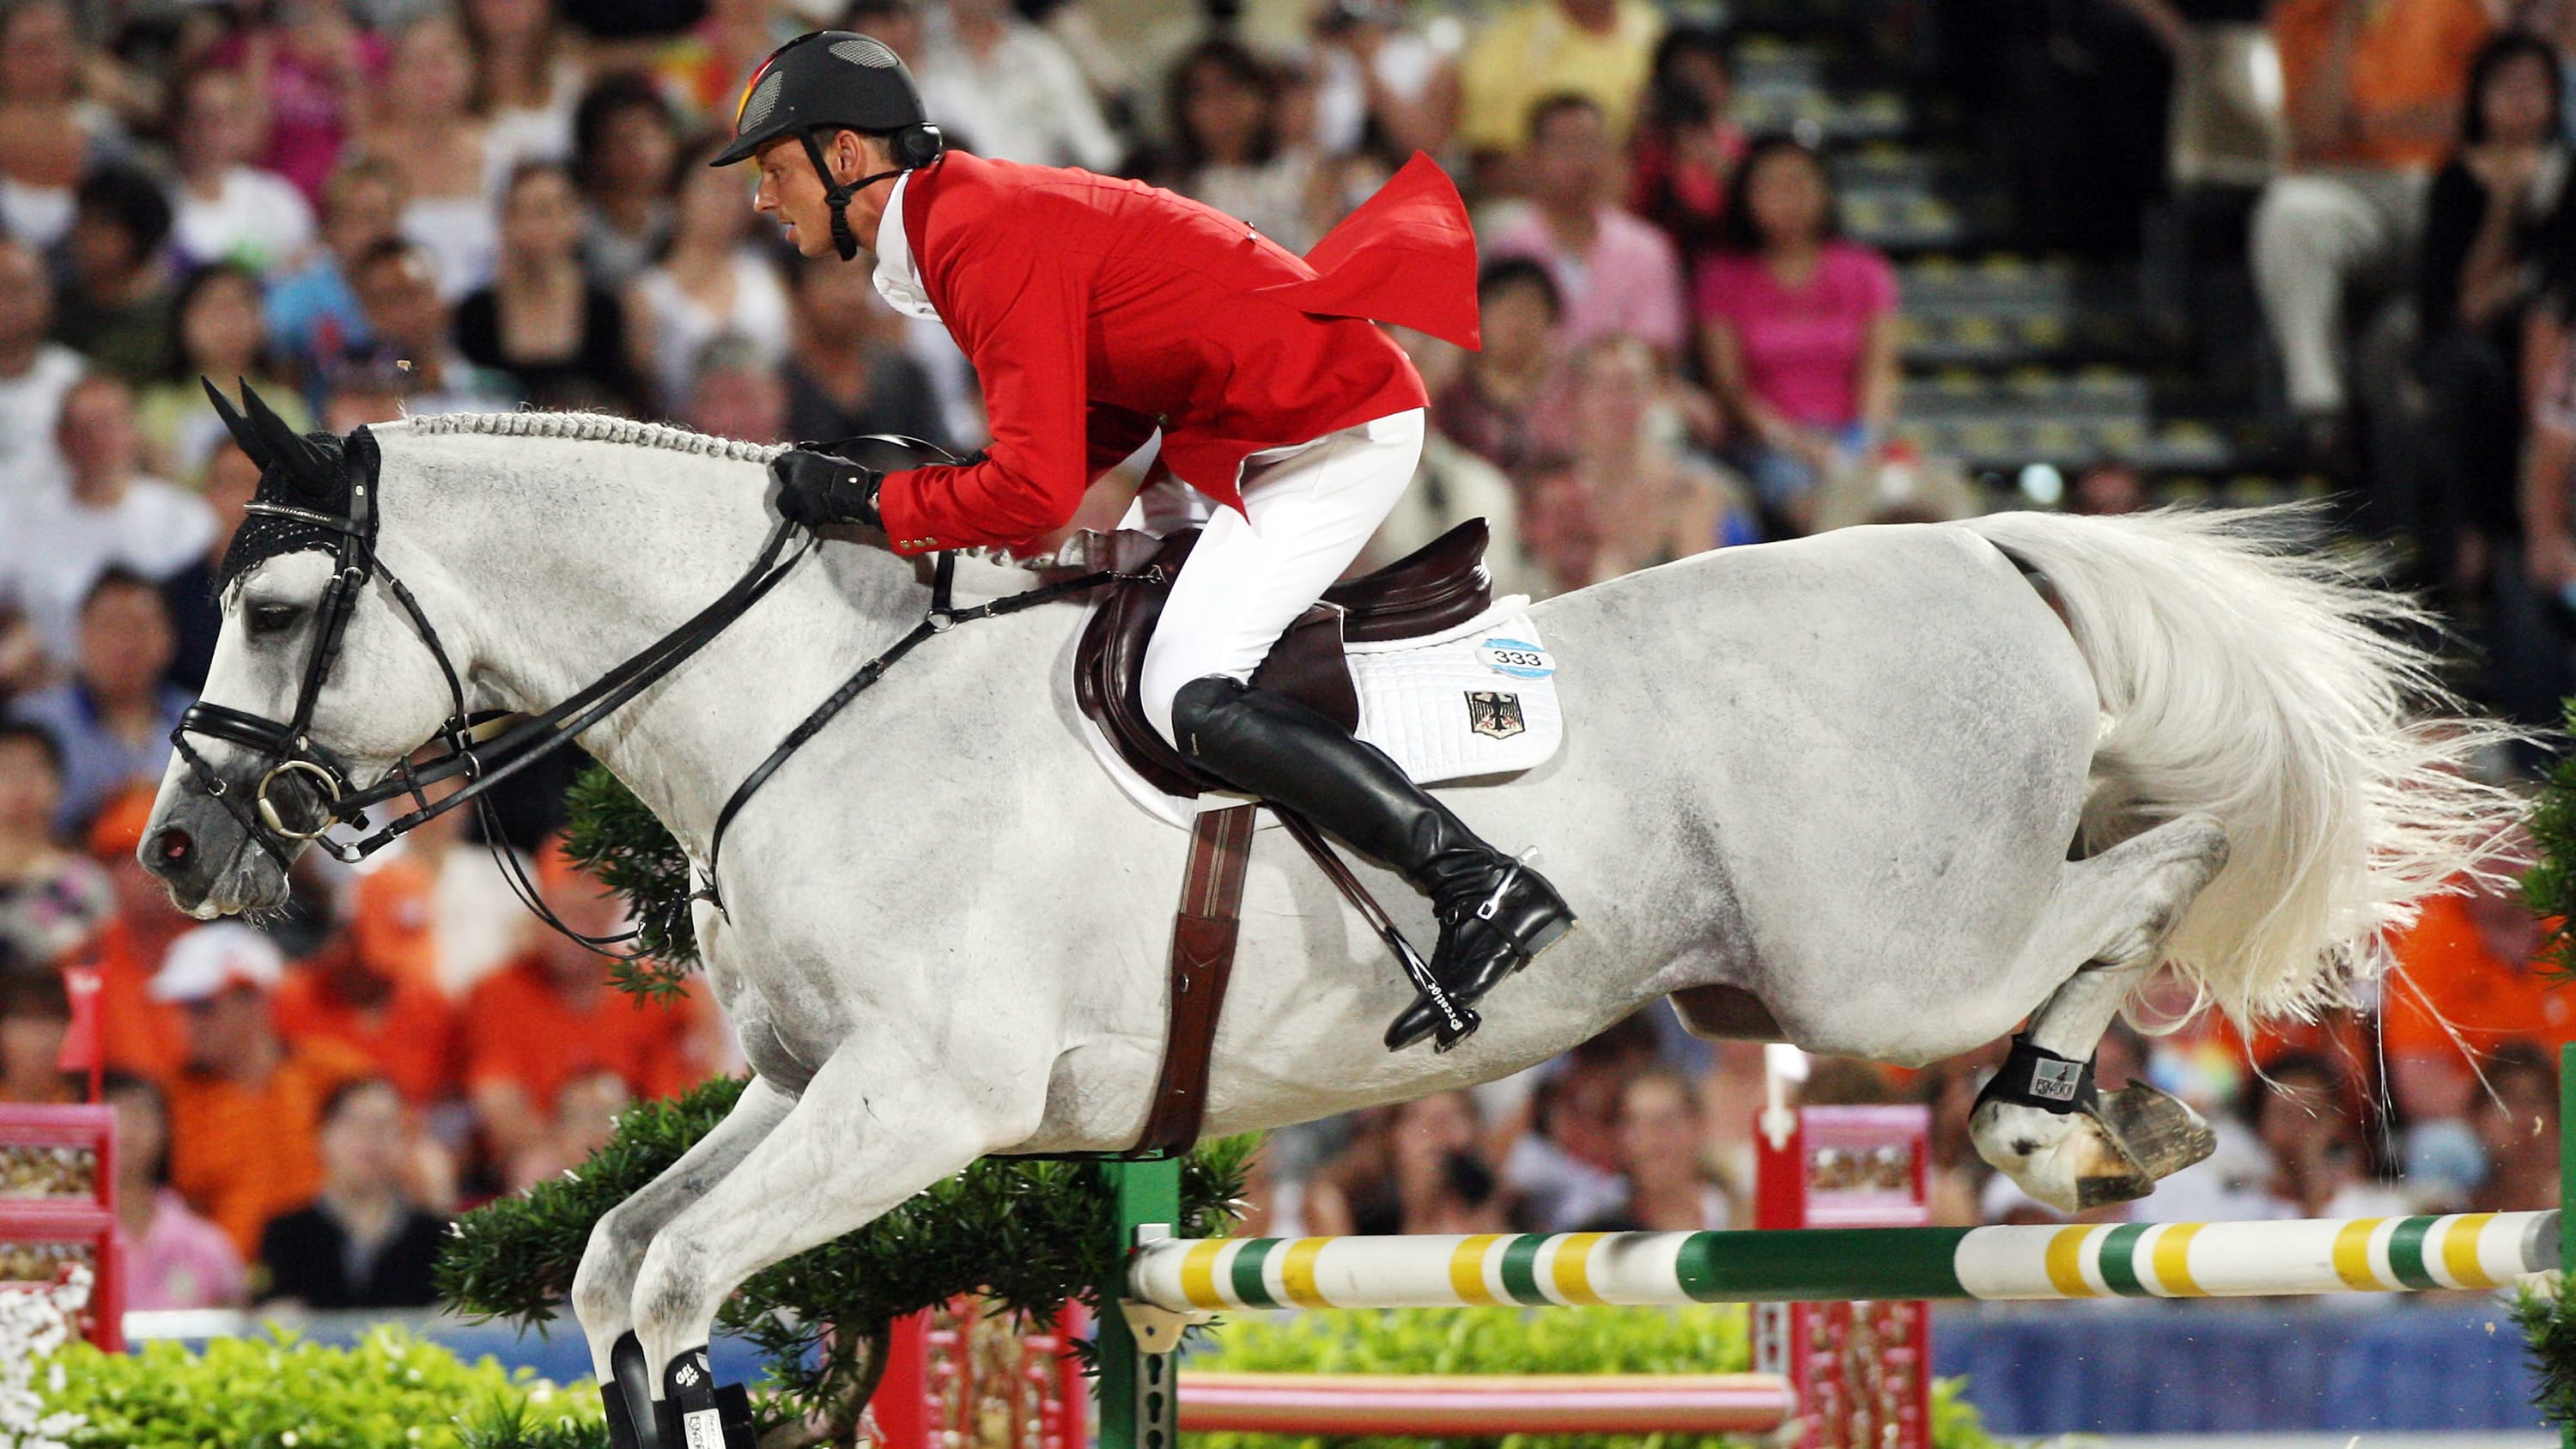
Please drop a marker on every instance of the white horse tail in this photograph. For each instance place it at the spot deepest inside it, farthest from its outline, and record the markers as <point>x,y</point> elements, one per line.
<point>2248,678</point>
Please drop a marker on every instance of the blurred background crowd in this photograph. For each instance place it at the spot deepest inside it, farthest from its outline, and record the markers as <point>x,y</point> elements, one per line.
<point>1750,272</point>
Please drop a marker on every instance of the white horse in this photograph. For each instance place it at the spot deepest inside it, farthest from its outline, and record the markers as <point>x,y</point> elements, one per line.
<point>1871,793</point>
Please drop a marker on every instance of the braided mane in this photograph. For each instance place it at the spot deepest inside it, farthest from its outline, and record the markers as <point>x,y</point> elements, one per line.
<point>594,428</point>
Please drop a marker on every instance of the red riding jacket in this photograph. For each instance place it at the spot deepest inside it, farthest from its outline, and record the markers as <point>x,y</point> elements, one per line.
<point>1097,310</point>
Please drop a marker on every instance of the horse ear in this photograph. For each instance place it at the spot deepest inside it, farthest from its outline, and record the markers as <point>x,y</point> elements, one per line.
<point>307,466</point>
<point>244,435</point>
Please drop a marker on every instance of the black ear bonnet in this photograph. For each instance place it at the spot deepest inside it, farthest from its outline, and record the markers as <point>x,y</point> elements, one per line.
<point>299,474</point>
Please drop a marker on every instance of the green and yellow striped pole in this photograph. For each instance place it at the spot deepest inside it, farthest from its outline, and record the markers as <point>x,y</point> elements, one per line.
<point>2127,1260</point>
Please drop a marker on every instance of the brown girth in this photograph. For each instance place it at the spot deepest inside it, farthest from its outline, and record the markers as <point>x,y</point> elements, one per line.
<point>1204,932</point>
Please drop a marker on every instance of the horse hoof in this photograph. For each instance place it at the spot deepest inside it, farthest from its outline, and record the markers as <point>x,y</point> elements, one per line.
<point>2140,1135</point>
<point>2094,1192</point>
<point>2157,1133</point>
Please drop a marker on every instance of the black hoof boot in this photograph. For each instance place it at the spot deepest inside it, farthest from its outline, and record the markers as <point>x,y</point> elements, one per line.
<point>628,1396</point>
<point>693,1413</point>
<point>1492,923</point>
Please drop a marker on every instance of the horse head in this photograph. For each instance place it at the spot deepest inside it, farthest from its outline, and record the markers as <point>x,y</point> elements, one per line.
<point>317,684</point>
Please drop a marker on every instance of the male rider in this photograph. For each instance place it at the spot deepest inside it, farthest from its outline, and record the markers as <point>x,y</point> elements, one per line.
<point>1098,311</point>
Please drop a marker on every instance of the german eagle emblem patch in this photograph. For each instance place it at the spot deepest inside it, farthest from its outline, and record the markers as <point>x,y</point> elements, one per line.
<point>1494,714</point>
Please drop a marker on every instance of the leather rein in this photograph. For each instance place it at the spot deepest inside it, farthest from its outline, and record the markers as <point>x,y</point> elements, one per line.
<point>285,751</point>
<point>942,617</point>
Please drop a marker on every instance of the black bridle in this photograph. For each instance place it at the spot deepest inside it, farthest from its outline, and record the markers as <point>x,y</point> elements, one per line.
<point>285,751</point>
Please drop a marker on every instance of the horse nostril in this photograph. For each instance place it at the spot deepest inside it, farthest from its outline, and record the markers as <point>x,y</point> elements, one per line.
<point>176,847</point>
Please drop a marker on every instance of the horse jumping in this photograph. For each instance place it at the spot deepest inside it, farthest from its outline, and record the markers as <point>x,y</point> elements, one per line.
<point>1884,793</point>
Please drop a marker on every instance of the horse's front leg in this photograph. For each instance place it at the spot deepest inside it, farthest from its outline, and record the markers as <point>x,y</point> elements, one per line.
<point>603,1289</point>
<point>876,1125</point>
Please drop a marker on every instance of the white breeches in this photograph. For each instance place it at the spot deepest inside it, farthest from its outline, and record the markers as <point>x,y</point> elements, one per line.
<point>1308,510</point>
<point>2315,235</point>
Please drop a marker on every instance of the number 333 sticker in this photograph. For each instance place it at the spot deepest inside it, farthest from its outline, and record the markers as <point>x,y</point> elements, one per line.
<point>1517,658</point>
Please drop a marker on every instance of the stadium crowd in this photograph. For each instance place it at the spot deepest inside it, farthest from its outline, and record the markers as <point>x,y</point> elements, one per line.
<point>372,208</point>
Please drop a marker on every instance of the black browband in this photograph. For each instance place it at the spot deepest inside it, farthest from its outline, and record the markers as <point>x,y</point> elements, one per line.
<point>286,751</point>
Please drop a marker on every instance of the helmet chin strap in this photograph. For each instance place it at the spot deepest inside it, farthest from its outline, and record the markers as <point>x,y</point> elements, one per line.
<point>837,194</point>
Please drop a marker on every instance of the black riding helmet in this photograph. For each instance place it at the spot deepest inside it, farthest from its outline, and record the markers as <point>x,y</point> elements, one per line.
<point>834,80</point>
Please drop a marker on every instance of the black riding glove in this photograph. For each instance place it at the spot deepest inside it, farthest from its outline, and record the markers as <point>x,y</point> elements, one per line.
<point>816,489</point>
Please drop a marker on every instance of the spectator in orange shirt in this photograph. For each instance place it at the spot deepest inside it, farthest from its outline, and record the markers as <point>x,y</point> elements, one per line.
<point>438,908</point>
<point>2466,967</point>
<point>2465,986</point>
<point>336,991</point>
<point>137,1034</point>
<point>2374,91</point>
<point>551,1017</point>
<point>246,1114</point>
<point>393,920</point>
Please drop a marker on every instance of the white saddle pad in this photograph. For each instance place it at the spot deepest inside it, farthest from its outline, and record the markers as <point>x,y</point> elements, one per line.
<point>1479,699</point>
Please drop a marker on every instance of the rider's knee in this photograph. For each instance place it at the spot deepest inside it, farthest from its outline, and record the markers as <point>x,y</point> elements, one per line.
<point>1177,706</point>
<point>1194,707</point>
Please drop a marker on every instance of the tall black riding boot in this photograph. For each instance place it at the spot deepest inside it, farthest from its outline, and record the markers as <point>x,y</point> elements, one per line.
<point>1495,912</point>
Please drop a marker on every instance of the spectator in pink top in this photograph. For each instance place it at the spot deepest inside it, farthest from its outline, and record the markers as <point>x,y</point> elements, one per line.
<point>1617,276</point>
<point>1799,329</point>
<point>316,68</point>
<point>173,1257</point>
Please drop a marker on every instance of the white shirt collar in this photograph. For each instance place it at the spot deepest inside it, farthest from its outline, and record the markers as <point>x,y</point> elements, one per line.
<point>897,279</point>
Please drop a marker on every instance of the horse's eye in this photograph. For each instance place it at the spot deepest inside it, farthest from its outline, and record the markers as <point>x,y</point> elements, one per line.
<point>274,618</point>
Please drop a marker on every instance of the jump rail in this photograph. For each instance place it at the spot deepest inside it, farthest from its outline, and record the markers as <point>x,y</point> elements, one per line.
<point>1837,1285</point>
<point>1829,1374</point>
<point>1820,1265</point>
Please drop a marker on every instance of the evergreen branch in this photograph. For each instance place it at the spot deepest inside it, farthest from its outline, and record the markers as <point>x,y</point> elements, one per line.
<point>2549,887</point>
<point>514,1258</point>
<point>610,833</point>
<point>1026,1235</point>
<point>2548,1320</point>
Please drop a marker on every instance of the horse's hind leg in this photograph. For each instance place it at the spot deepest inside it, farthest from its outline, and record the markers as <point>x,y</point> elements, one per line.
<point>2109,921</point>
